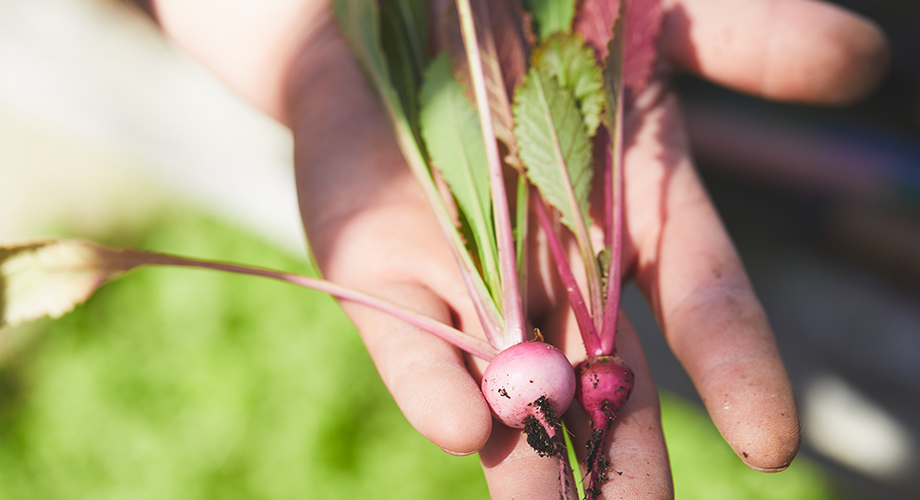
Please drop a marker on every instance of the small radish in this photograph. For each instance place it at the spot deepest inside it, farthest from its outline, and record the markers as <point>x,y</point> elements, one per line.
<point>528,386</point>
<point>603,386</point>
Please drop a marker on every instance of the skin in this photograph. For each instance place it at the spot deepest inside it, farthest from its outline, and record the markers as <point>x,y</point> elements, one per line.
<point>370,228</point>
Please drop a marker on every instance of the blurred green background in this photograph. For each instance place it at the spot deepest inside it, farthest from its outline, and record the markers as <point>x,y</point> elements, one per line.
<point>184,384</point>
<point>178,383</point>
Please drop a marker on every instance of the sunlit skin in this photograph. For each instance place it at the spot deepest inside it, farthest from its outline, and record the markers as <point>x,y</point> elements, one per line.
<point>371,229</point>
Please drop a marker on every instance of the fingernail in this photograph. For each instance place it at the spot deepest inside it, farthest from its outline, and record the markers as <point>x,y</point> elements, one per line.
<point>456,454</point>
<point>769,469</point>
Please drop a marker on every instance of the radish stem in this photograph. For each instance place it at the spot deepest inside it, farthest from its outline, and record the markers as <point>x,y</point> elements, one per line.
<point>479,294</point>
<point>456,337</point>
<point>511,298</point>
<point>614,165</point>
<point>576,299</point>
<point>614,286</point>
<point>522,212</point>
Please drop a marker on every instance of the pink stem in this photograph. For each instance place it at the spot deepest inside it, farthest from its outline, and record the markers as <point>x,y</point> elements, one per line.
<point>612,308</point>
<point>512,306</point>
<point>472,345</point>
<point>614,164</point>
<point>614,278</point>
<point>602,143</point>
<point>576,299</point>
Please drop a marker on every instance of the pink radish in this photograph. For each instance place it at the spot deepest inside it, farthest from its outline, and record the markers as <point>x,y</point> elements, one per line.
<point>530,383</point>
<point>603,386</point>
<point>529,386</point>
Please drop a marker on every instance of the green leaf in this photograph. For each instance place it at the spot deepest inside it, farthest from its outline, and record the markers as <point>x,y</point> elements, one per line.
<point>359,21</point>
<point>551,16</point>
<point>555,147</point>
<point>572,62</point>
<point>403,40</point>
<point>556,152</point>
<point>413,17</point>
<point>453,137</point>
<point>50,278</point>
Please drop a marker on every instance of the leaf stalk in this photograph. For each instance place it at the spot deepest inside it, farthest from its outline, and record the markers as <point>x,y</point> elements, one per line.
<point>456,337</point>
<point>513,331</point>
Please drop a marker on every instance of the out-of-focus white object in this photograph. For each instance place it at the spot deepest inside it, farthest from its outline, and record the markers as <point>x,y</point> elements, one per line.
<point>848,427</point>
<point>95,82</point>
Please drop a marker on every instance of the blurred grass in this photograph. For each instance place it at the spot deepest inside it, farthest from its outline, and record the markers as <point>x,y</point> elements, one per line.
<point>182,384</point>
<point>705,467</point>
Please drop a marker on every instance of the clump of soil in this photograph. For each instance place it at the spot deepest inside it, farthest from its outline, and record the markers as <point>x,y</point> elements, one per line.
<point>538,432</point>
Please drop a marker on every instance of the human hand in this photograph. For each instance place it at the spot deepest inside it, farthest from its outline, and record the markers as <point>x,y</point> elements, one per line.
<point>370,228</point>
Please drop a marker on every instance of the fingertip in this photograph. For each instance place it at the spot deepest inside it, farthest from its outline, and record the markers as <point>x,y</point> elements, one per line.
<point>870,55</point>
<point>790,50</point>
<point>757,414</point>
<point>828,55</point>
<point>446,406</point>
<point>467,433</point>
<point>769,443</point>
<point>770,452</point>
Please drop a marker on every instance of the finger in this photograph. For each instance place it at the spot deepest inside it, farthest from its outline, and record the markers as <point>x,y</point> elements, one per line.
<point>371,229</point>
<point>688,268</point>
<point>248,45</point>
<point>514,470</point>
<point>426,376</point>
<point>795,50</point>
<point>639,466</point>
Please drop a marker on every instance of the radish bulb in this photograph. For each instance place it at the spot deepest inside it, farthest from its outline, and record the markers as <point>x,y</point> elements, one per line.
<point>529,386</point>
<point>603,386</point>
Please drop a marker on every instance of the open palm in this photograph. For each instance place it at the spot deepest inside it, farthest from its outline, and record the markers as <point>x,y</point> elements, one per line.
<point>370,227</point>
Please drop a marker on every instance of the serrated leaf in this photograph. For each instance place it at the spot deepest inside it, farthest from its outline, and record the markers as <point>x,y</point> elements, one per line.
<point>643,26</point>
<point>50,278</point>
<point>453,137</point>
<point>551,16</point>
<point>556,152</point>
<point>555,147</point>
<point>572,62</point>
<point>594,21</point>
